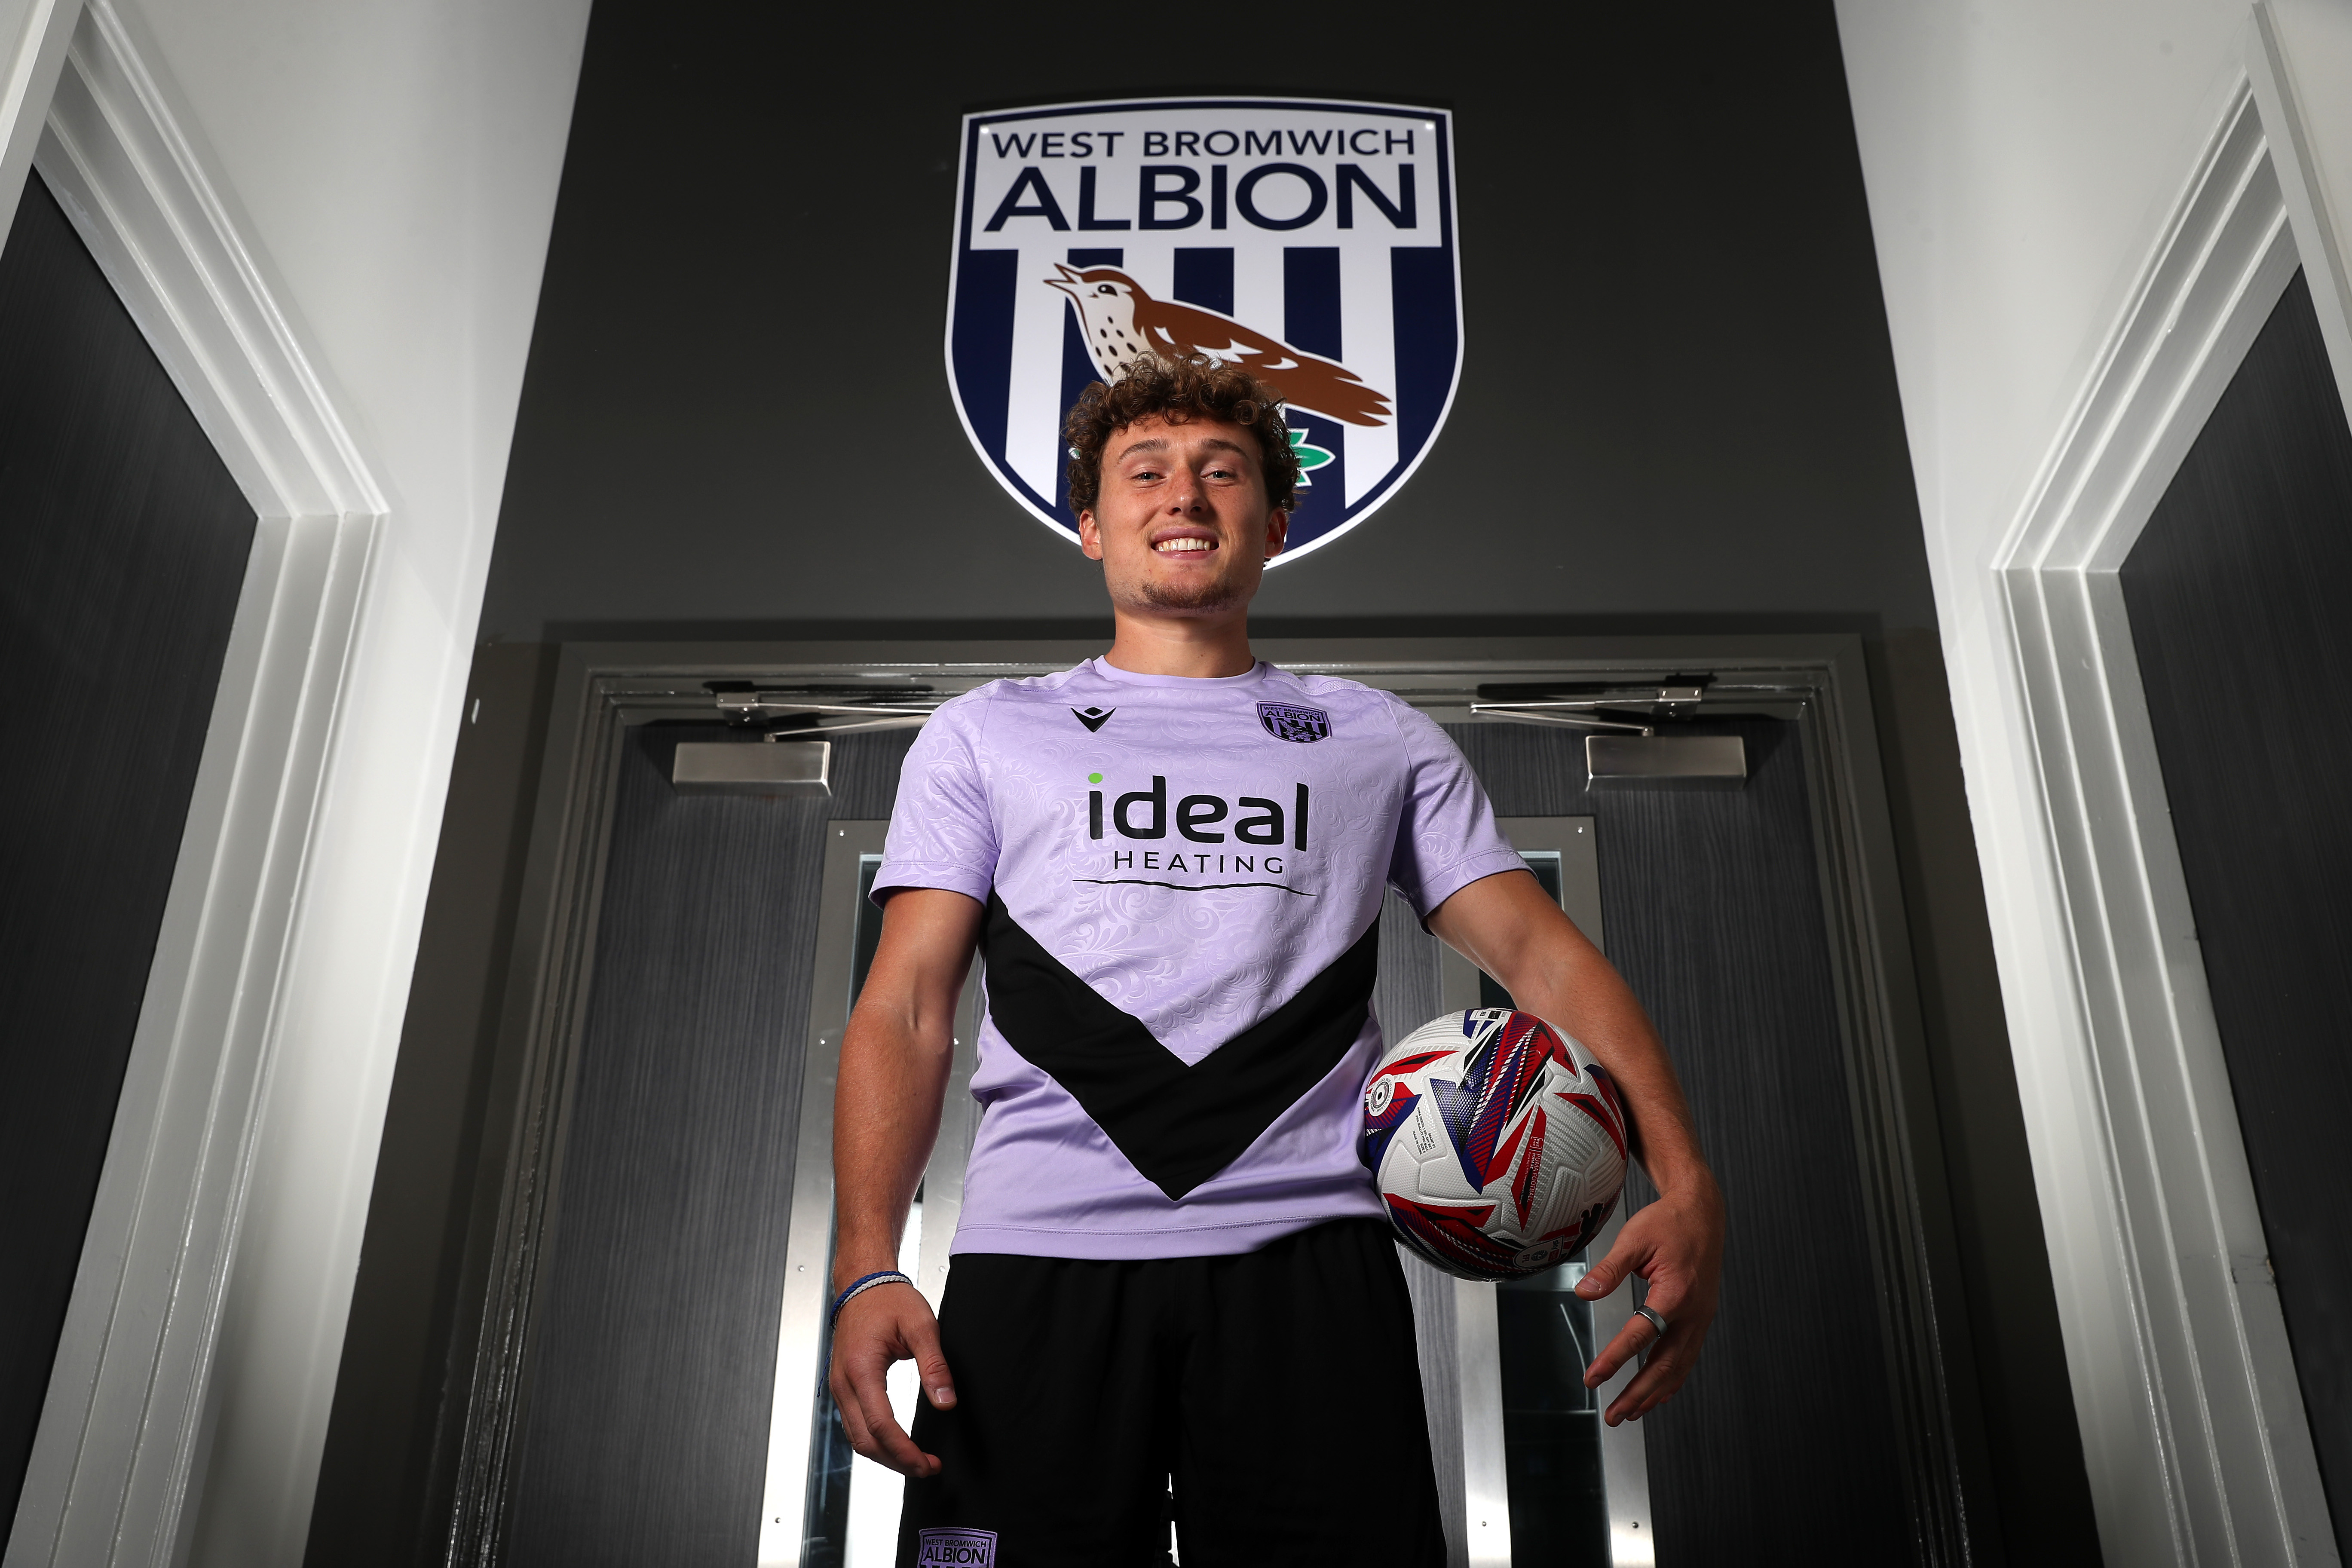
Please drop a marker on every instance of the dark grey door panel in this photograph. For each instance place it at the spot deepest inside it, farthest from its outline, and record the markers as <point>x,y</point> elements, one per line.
<point>123,544</point>
<point>1715,920</point>
<point>2240,592</point>
<point>643,1437</point>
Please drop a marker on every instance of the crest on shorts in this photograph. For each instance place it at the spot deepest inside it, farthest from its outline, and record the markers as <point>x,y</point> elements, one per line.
<point>1308,240</point>
<point>955,1549</point>
<point>1286,723</point>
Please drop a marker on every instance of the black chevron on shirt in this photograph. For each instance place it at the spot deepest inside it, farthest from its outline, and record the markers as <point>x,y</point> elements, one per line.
<point>1179,1125</point>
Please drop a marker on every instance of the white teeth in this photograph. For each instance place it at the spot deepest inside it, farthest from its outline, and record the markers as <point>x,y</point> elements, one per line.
<point>1173,546</point>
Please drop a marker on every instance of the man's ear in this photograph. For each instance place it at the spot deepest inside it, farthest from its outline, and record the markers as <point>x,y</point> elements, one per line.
<point>1278,529</point>
<point>1089,536</point>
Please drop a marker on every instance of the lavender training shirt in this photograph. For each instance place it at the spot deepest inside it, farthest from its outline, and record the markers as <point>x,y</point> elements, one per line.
<point>1195,851</point>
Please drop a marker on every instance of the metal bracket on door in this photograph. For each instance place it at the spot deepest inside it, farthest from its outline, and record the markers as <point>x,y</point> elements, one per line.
<point>1676,701</point>
<point>798,713</point>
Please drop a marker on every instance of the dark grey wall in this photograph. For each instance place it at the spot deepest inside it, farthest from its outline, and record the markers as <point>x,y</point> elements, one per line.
<point>1678,412</point>
<point>1677,398</point>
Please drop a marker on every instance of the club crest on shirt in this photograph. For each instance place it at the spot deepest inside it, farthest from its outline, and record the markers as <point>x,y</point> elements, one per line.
<point>955,1549</point>
<point>1285,721</point>
<point>1309,241</point>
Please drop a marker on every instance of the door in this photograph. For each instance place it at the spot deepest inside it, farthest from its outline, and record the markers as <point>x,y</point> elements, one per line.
<point>669,1401</point>
<point>2238,592</point>
<point>825,1505</point>
<point>1713,912</point>
<point>1526,1468</point>
<point>1518,1439</point>
<point>123,548</point>
<point>644,1435</point>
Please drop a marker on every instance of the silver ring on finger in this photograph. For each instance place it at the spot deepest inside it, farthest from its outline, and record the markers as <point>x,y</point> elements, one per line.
<point>1658,1319</point>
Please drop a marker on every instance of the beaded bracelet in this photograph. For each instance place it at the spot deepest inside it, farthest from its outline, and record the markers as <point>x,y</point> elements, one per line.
<point>859,1288</point>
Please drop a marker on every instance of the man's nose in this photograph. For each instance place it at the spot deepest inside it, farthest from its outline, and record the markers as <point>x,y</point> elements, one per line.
<point>1185,498</point>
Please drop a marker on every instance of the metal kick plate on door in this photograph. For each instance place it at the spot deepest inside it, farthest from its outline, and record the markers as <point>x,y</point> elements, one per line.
<point>760,768</point>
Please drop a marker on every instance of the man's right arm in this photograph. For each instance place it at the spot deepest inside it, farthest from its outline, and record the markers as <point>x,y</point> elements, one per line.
<point>885,1115</point>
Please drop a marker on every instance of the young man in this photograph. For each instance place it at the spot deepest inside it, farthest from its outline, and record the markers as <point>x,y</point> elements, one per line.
<point>1170,1263</point>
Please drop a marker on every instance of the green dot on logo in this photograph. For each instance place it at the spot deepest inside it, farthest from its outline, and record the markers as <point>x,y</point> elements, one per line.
<point>1094,778</point>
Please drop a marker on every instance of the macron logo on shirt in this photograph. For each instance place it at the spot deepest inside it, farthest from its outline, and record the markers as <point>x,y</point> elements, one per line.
<point>1093,719</point>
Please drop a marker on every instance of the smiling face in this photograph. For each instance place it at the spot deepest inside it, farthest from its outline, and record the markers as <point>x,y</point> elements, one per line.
<point>1182,524</point>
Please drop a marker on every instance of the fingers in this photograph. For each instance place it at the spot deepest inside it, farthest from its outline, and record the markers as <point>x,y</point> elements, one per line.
<point>865,1344</point>
<point>853,1418</point>
<point>931,1364</point>
<point>1605,1276</point>
<point>1632,1251</point>
<point>872,1429</point>
<point>1676,1244</point>
<point>1640,1336</point>
<point>1671,1359</point>
<point>1667,1357</point>
<point>1630,1341</point>
<point>1628,1257</point>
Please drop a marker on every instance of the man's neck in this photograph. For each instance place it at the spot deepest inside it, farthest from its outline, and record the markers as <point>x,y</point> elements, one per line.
<point>1201,648</point>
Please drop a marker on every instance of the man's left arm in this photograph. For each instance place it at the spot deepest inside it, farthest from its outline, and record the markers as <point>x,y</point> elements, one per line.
<point>1508,926</point>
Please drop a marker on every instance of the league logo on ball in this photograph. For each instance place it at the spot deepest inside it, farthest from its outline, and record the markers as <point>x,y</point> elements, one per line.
<point>1308,240</point>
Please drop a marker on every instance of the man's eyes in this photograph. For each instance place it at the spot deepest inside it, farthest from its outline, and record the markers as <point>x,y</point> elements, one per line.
<point>1153,476</point>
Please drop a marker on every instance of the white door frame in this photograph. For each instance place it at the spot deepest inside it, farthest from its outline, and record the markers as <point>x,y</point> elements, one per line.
<point>2193,1425</point>
<point>132,1405</point>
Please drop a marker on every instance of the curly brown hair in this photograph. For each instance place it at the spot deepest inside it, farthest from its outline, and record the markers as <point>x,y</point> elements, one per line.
<point>1178,390</point>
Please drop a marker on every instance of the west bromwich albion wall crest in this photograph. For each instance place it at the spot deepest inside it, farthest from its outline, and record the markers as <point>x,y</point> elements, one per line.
<point>1309,239</point>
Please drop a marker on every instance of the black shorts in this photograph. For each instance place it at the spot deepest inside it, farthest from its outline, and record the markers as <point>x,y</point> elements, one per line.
<point>1276,1395</point>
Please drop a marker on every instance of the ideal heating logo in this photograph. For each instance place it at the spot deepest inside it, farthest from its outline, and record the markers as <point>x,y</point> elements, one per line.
<point>1144,814</point>
<point>1237,832</point>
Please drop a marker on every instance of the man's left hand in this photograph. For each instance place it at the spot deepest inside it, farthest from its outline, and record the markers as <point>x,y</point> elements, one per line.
<point>1677,1245</point>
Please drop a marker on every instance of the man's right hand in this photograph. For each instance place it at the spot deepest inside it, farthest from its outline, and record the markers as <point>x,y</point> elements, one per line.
<point>886,1324</point>
<point>886,1112</point>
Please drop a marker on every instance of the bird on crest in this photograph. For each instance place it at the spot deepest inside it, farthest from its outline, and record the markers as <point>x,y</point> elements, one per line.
<point>1121,321</point>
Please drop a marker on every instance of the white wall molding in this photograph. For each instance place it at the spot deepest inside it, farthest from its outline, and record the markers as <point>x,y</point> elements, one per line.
<point>32,38</point>
<point>2174,1308</point>
<point>2325,36</point>
<point>173,246</point>
<point>126,1426</point>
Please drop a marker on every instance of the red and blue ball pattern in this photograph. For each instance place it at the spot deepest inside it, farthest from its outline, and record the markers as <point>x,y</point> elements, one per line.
<point>1498,1143</point>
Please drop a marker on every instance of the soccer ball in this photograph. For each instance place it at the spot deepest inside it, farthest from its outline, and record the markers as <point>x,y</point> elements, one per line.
<point>1496,1142</point>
